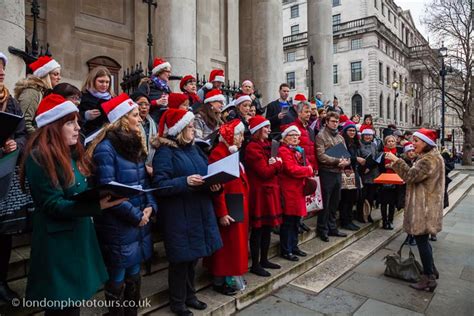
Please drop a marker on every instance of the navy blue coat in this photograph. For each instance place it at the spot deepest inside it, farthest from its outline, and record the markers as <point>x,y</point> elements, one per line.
<point>122,241</point>
<point>187,216</point>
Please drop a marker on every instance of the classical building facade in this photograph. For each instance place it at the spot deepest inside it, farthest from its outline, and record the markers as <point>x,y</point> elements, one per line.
<point>193,35</point>
<point>378,61</point>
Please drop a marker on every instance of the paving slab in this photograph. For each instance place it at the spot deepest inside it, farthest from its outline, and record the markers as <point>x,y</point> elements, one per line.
<point>442,305</point>
<point>274,306</point>
<point>467,273</point>
<point>330,301</point>
<point>374,307</point>
<point>387,291</point>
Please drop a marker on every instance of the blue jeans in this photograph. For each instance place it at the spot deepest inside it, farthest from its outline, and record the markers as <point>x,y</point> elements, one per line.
<point>289,234</point>
<point>118,275</point>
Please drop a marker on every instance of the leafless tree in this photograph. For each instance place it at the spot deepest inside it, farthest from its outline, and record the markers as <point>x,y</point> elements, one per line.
<point>451,22</point>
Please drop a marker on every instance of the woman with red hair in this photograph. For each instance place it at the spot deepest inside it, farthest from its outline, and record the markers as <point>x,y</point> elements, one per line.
<point>65,260</point>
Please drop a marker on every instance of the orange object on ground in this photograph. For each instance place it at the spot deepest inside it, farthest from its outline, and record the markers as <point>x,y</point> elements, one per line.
<point>389,178</point>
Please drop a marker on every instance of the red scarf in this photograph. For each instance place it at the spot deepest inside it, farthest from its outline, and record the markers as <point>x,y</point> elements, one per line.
<point>387,161</point>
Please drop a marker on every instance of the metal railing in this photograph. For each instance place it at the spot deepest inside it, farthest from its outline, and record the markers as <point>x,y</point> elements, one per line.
<point>295,38</point>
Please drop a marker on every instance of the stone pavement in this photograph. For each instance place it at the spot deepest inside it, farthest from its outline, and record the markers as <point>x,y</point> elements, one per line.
<point>364,290</point>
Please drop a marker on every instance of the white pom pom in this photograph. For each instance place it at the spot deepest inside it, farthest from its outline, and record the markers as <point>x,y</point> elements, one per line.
<point>233,149</point>
<point>208,85</point>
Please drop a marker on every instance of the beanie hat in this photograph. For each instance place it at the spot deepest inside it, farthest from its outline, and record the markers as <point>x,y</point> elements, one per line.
<point>173,121</point>
<point>217,75</point>
<point>408,147</point>
<point>117,107</point>
<point>4,58</point>
<point>227,132</point>
<point>176,99</point>
<point>214,95</point>
<point>185,80</point>
<point>288,129</point>
<point>368,131</point>
<point>229,105</point>
<point>348,124</point>
<point>427,135</point>
<point>241,98</point>
<point>52,108</point>
<point>257,122</point>
<point>397,132</point>
<point>159,64</point>
<point>299,97</point>
<point>43,66</point>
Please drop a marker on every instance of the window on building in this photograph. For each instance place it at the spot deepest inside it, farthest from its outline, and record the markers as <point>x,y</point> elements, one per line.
<point>388,75</point>
<point>357,104</point>
<point>378,43</point>
<point>395,110</point>
<point>356,71</point>
<point>295,11</point>
<point>336,3</point>
<point>383,9</point>
<point>376,4</point>
<point>406,112</point>
<point>406,85</point>
<point>295,29</point>
<point>401,111</point>
<point>388,107</point>
<point>356,43</point>
<point>336,19</point>
<point>334,48</point>
<point>395,21</point>
<point>335,78</point>
<point>381,105</point>
<point>290,56</point>
<point>400,82</point>
<point>389,16</point>
<point>380,72</point>
<point>394,75</point>
<point>291,80</point>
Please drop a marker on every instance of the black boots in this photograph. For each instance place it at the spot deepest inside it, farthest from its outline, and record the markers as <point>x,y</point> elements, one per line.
<point>132,293</point>
<point>114,294</point>
<point>6,293</point>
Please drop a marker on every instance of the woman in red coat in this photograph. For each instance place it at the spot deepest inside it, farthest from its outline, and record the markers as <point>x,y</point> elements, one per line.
<point>264,195</point>
<point>230,263</point>
<point>292,179</point>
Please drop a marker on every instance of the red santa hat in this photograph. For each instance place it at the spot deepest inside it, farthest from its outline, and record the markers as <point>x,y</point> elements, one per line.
<point>240,98</point>
<point>427,135</point>
<point>408,147</point>
<point>215,95</point>
<point>43,66</point>
<point>185,80</point>
<point>117,107</point>
<point>343,119</point>
<point>159,64</point>
<point>176,99</point>
<point>52,108</point>
<point>289,128</point>
<point>216,75</point>
<point>173,121</point>
<point>257,122</point>
<point>299,97</point>
<point>227,132</point>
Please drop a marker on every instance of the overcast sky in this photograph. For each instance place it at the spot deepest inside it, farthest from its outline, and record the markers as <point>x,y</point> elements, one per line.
<point>417,10</point>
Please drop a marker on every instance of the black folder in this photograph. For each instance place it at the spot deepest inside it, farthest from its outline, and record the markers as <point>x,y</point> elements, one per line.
<point>9,122</point>
<point>114,189</point>
<point>275,147</point>
<point>235,206</point>
<point>338,151</point>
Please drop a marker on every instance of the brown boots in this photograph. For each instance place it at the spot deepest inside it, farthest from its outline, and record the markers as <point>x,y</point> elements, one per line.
<point>427,283</point>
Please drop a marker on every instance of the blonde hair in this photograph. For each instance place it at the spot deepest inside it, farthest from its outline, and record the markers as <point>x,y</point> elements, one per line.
<point>99,71</point>
<point>121,124</point>
<point>47,81</point>
<point>387,138</point>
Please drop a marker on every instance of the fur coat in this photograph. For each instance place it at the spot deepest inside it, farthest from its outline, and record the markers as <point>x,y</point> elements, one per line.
<point>424,193</point>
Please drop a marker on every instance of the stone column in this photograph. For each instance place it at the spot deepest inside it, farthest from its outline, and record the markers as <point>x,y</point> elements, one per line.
<point>320,45</point>
<point>12,26</point>
<point>175,35</point>
<point>261,45</point>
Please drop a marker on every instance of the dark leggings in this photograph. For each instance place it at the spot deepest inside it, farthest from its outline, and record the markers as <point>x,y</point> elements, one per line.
<point>259,244</point>
<point>289,234</point>
<point>5,251</point>
<point>391,212</point>
<point>426,253</point>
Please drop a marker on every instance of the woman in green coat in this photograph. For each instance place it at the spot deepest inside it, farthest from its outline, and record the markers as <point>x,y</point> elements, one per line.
<point>66,262</point>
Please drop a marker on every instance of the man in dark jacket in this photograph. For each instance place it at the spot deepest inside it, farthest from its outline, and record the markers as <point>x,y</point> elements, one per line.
<point>274,109</point>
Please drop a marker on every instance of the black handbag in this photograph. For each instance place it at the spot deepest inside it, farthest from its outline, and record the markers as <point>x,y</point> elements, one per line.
<point>408,269</point>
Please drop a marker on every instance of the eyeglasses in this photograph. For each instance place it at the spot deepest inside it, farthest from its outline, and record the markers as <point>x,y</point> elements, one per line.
<point>333,121</point>
<point>292,135</point>
<point>143,104</point>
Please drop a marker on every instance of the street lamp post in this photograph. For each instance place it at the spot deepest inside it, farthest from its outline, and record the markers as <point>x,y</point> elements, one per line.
<point>149,38</point>
<point>311,74</point>
<point>395,88</point>
<point>443,52</point>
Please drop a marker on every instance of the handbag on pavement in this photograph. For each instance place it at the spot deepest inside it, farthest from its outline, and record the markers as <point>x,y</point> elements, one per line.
<point>408,269</point>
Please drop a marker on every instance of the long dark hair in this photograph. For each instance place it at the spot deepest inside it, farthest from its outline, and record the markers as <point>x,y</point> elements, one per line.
<point>351,141</point>
<point>48,149</point>
<point>209,117</point>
